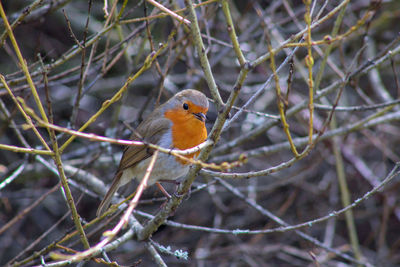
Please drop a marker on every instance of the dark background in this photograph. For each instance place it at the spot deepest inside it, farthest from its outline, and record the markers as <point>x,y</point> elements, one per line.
<point>305,191</point>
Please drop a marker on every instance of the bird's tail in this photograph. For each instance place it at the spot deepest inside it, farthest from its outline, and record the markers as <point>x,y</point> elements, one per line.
<point>105,203</point>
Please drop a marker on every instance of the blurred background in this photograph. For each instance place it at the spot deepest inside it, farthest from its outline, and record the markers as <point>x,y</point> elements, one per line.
<point>81,53</point>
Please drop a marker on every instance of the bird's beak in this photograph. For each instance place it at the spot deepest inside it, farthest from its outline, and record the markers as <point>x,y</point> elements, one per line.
<point>200,116</point>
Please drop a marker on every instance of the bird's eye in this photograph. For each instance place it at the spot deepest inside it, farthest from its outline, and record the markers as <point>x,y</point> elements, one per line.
<point>185,106</point>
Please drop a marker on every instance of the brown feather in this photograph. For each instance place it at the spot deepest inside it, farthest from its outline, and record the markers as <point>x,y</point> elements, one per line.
<point>105,203</point>
<point>151,131</point>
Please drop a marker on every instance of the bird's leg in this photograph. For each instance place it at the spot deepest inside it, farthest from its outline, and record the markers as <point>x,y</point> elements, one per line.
<point>162,189</point>
<point>177,183</point>
<point>168,196</point>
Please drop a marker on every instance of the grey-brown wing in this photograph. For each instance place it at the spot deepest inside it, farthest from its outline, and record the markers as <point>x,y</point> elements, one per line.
<point>151,132</point>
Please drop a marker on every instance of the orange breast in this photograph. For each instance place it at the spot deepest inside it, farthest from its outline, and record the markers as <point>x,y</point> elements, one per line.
<point>187,131</point>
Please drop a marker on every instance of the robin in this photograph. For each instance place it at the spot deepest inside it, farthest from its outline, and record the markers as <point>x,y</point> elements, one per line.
<point>178,123</point>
